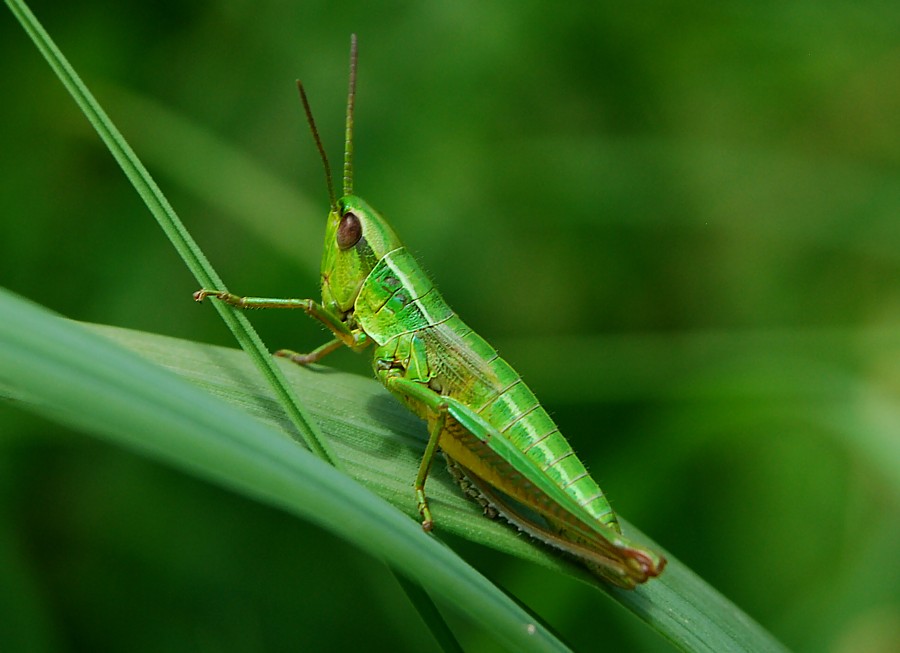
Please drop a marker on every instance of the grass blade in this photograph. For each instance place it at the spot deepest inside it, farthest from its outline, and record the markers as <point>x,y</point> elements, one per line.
<point>179,237</point>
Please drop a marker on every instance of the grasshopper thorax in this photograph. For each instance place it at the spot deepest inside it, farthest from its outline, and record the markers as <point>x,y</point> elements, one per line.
<point>356,238</point>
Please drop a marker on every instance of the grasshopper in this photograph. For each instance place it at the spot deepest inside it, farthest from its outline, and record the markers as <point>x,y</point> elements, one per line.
<point>499,443</point>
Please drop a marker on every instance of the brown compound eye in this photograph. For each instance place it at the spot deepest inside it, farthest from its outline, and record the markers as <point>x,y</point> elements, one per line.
<point>349,231</point>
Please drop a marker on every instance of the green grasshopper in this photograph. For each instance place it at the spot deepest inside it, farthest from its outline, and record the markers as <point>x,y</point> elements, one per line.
<point>499,442</point>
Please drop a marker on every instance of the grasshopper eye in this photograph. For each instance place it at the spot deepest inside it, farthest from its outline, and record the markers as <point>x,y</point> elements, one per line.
<point>349,231</point>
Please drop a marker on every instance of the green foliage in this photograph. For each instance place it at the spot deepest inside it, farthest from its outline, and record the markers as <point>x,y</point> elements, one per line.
<point>680,226</point>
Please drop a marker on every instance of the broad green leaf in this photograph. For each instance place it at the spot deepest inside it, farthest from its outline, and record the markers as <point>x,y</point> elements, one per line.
<point>63,371</point>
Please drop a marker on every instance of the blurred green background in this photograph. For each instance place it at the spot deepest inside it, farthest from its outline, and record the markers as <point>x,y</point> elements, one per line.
<point>680,222</point>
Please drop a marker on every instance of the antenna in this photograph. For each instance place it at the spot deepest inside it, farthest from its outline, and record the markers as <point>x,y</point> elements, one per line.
<point>348,135</point>
<point>315,133</point>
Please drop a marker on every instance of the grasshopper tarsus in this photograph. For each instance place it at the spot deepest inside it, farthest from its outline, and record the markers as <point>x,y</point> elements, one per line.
<point>223,295</point>
<point>424,510</point>
<point>294,357</point>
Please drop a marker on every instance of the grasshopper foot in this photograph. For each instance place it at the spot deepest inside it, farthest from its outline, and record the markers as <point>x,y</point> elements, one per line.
<point>424,510</point>
<point>225,296</point>
<point>294,357</point>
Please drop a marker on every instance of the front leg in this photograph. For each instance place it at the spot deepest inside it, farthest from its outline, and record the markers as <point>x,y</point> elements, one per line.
<point>355,339</point>
<point>308,306</point>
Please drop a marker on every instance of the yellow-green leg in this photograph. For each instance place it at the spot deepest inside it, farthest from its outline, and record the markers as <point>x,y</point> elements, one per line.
<point>354,339</point>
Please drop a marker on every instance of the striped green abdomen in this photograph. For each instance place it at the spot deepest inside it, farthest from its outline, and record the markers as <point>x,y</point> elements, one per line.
<point>416,331</point>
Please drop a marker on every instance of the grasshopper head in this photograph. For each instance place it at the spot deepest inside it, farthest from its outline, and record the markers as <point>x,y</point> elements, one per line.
<point>356,238</point>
